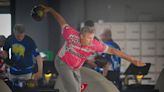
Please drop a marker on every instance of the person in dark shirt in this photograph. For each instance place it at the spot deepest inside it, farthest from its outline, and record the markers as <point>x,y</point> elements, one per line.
<point>23,49</point>
<point>112,73</point>
<point>4,87</point>
<point>2,65</point>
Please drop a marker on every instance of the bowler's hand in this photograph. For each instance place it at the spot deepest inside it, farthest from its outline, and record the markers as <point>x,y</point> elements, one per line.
<point>37,75</point>
<point>138,63</point>
<point>46,8</point>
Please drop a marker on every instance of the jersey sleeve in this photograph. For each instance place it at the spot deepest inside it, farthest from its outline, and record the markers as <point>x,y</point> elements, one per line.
<point>100,46</point>
<point>67,31</point>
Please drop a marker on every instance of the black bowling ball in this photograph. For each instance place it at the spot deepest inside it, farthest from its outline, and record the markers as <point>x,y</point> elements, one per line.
<point>37,13</point>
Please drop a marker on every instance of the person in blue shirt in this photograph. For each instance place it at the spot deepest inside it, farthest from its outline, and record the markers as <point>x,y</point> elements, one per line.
<point>23,49</point>
<point>112,73</point>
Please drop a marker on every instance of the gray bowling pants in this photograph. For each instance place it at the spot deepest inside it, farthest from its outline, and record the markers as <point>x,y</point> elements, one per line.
<point>71,79</point>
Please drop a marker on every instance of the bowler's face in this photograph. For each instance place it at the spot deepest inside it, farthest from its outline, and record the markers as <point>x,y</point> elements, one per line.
<point>86,39</point>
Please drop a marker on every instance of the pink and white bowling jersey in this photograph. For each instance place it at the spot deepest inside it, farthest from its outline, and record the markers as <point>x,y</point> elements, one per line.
<point>73,53</point>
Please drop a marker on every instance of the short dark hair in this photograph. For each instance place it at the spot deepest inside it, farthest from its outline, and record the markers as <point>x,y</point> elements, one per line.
<point>19,28</point>
<point>89,23</point>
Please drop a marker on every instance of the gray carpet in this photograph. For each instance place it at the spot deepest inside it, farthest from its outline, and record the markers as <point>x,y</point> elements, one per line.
<point>4,87</point>
<point>96,82</point>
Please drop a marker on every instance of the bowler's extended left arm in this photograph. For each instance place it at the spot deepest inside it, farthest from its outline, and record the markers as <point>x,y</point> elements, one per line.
<point>123,55</point>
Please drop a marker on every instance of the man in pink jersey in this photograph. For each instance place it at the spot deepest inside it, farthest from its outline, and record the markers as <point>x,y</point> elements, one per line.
<point>77,48</point>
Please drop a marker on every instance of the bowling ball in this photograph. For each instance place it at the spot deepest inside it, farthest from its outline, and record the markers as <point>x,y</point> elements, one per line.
<point>37,13</point>
<point>31,83</point>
